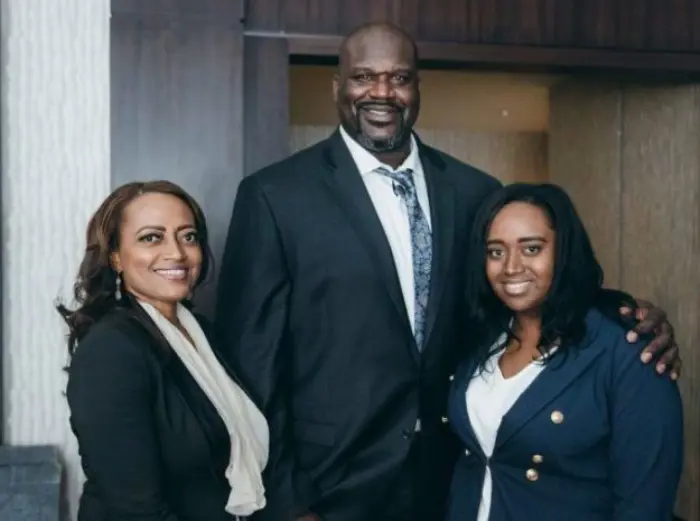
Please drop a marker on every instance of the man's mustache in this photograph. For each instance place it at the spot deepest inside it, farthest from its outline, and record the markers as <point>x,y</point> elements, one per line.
<point>378,105</point>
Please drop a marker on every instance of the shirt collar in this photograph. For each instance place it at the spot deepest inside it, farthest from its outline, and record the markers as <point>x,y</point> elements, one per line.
<point>367,163</point>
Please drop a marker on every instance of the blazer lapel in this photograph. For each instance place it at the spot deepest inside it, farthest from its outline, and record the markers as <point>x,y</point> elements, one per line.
<point>441,197</point>
<point>348,188</point>
<point>461,422</point>
<point>559,374</point>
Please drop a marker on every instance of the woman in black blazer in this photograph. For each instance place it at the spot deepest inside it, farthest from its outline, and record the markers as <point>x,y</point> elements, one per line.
<point>164,431</point>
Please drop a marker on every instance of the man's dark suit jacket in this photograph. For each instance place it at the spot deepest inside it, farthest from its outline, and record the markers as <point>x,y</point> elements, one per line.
<point>313,318</point>
<point>153,447</point>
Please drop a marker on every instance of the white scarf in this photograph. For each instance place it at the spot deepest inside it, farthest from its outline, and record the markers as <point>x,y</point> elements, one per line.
<point>247,427</point>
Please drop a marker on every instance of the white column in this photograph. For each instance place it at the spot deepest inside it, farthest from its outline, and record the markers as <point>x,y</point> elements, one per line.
<point>55,141</point>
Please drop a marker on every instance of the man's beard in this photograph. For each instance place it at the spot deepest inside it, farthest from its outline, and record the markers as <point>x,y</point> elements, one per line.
<point>384,145</point>
<point>381,145</point>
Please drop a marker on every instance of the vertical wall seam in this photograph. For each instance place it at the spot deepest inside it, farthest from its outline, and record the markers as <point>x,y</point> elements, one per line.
<point>620,181</point>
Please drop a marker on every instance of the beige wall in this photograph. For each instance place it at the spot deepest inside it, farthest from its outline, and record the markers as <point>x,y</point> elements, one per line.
<point>496,122</point>
<point>629,157</point>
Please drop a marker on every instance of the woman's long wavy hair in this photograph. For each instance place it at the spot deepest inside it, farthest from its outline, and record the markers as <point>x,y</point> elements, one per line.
<point>95,287</point>
<point>577,283</point>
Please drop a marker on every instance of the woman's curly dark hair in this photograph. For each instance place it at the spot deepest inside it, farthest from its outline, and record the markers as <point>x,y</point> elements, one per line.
<point>96,283</point>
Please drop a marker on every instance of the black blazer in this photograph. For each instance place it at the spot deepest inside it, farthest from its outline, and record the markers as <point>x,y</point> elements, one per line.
<point>312,316</point>
<point>151,443</point>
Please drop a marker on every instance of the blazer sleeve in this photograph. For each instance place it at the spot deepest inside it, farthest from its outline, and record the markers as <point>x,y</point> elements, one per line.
<point>110,397</point>
<point>647,439</point>
<point>251,322</point>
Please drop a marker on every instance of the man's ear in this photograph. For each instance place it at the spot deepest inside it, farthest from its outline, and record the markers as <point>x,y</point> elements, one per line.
<point>336,86</point>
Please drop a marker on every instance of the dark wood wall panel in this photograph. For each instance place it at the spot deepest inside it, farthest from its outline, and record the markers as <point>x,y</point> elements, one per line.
<point>317,16</point>
<point>457,21</point>
<point>351,14</point>
<point>695,24</point>
<point>177,108</point>
<point>675,29</point>
<point>221,10</point>
<point>595,23</point>
<point>661,25</point>
<point>657,24</point>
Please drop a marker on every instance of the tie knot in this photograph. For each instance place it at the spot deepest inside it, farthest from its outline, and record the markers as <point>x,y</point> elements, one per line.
<point>403,177</point>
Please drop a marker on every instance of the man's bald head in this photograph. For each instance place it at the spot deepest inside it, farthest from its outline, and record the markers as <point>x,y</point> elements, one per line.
<point>375,34</point>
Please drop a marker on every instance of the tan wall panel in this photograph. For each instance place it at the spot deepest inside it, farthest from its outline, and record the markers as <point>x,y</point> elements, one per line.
<point>629,158</point>
<point>584,158</point>
<point>509,156</point>
<point>451,100</point>
<point>661,235</point>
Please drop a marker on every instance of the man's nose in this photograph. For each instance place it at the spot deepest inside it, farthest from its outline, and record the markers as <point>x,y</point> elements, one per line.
<point>382,88</point>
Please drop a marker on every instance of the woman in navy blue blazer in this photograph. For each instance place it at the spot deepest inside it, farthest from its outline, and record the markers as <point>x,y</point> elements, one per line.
<point>558,418</point>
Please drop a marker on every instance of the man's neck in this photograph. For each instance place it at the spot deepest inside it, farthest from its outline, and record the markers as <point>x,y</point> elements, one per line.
<point>396,157</point>
<point>393,158</point>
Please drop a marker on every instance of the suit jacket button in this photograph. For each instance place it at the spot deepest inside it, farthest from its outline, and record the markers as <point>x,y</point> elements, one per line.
<point>557,417</point>
<point>467,453</point>
<point>532,475</point>
<point>537,458</point>
<point>444,419</point>
<point>452,378</point>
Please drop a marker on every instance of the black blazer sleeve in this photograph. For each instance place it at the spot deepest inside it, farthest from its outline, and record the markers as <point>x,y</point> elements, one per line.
<point>251,321</point>
<point>110,397</point>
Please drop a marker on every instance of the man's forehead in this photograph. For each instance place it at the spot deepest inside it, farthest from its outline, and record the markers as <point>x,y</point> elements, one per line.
<point>389,57</point>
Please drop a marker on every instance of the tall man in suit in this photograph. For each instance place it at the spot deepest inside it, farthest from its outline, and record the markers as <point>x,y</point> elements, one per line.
<point>340,300</point>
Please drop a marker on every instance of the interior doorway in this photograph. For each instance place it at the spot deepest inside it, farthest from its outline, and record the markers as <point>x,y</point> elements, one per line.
<point>495,121</point>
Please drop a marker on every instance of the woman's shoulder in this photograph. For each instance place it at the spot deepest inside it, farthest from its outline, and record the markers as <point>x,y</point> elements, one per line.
<point>110,364</point>
<point>117,336</point>
<point>619,354</point>
<point>611,331</point>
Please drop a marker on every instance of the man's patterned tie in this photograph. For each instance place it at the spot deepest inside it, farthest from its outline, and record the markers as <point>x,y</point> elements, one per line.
<point>421,246</point>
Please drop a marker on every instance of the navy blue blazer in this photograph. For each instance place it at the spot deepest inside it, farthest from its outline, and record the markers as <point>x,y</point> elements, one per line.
<point>598,436</point>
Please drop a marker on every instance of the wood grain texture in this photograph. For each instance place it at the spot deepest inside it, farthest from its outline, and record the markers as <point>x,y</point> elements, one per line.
<point>177,98</point>
<point>584,158</point>
<point>661,235</point>
<point>219,10</point>
<point>627,154</point>
<point>661,25</point>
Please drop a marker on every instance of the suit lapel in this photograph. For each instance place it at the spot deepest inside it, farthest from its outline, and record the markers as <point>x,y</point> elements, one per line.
<point>556,377</point>
<point>441,197</point>
<point>461,423</point>
<point>345,182</point>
